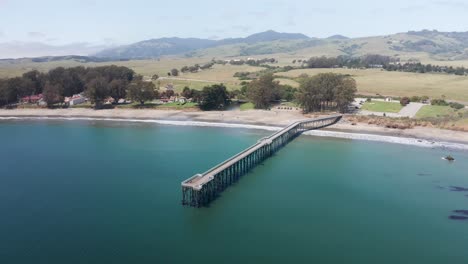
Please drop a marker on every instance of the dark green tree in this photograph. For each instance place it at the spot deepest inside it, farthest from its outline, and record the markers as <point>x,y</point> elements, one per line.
<point>262,91</point>
<point>97,90</point>
<point>52,94</point>
<point>326,91</point>
<point>141,91</point>
<point>118,89</point>
<point>214,97</point>
<point>175,72</point>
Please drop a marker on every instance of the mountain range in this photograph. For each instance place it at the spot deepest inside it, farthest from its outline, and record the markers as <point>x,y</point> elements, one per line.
<point>426,43</point>
<point>155,48</point>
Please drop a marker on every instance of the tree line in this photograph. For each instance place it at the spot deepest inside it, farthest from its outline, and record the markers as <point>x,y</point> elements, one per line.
<point>379,61</point>
<point>323,92</point>
<point>97,83</point>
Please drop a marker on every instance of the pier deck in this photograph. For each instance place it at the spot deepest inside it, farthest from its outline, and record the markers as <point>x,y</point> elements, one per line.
<point>201,189</point>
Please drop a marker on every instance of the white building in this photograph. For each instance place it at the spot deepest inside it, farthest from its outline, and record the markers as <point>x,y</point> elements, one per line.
<point>75,99</point>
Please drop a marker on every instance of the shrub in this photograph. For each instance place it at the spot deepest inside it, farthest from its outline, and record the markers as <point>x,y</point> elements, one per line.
<point>456,106</point>
<point>405,101</point>
<point>441,102</point>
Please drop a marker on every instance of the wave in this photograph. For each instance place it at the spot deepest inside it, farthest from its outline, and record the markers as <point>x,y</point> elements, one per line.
<point>317,133</point>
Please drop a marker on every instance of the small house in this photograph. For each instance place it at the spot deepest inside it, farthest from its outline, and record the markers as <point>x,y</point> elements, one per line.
<point>182,100</point>
<point>75,99</point>
<point>33,99</point>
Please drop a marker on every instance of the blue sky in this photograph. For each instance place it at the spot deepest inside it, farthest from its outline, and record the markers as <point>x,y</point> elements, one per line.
<point>120,22</point>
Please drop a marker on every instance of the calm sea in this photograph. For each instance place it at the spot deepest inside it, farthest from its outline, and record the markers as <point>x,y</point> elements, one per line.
<point>108,192</point>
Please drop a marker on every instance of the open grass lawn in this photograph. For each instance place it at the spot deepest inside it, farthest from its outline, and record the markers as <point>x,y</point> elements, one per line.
<point>429,111</point>
<point>175,106</point>
<point>179,105</point>
<point>373,81</point>
<point>247,106</point>
<point>377,106</point>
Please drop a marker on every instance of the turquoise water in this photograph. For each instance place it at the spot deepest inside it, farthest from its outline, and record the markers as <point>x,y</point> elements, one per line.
<point>103,192</point>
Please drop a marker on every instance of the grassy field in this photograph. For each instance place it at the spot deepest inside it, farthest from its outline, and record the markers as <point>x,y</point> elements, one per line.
<point>370,82</point>
<point>429,111</point>
<point>386,83</point>
<point>385,107</point>
<point>247,106</point>
<point>143,67</point>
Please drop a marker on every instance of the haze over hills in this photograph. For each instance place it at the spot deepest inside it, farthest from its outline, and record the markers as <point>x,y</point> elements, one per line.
<point>432,44</point>
<point>438,45</point>
<point>155,48</point>
<point>19,49</point>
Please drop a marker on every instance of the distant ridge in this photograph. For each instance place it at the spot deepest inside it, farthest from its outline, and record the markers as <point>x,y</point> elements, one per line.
<point>154,48</point>
<point>338,37</point>
<point>434,44</point>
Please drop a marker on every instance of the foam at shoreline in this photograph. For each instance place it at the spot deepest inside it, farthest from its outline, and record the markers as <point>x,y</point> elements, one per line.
<point>317,133</point>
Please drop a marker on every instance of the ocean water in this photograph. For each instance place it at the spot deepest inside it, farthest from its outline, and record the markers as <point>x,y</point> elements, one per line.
<point>109,192</point>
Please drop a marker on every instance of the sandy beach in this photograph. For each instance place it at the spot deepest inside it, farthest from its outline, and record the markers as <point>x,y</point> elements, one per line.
<point>251,117</point>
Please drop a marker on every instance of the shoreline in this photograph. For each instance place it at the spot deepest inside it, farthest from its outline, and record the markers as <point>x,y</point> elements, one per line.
<point>254,119</point>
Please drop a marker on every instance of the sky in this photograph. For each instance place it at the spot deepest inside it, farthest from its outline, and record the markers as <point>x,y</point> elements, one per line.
<point>60,22</point>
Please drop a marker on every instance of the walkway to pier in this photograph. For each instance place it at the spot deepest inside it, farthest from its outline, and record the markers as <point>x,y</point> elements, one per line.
<point>201,189</point>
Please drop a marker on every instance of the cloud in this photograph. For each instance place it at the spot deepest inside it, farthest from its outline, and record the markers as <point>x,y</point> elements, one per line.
<point>36,35</point>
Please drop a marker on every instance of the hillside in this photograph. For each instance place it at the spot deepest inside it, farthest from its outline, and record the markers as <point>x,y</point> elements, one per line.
<point>156,48</point>
<point>414,44</point>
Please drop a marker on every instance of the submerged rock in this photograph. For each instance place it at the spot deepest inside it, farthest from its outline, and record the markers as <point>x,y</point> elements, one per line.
<point>463,212</point>
<point>458,189</point>
<point>456,217</point>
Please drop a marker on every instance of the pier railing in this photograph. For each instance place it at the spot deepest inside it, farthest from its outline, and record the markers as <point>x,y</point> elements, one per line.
<point>201,189</point>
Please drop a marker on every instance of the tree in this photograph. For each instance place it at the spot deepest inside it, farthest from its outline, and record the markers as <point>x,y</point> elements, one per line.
<point>326,91</point>
<point>345,93</point>
<point>7,93</point>
<point>37,78</point>
<point>405,101</point>
<point>141,91</point>
<point>97,90</point>
<point>52,94</point>
<point>155,77</point>
<point>262,91</point>
<point>117,89</point>
<point>214,97</point>
<point>287,92</point>
<point>175,72</point>
<point>21,87</point>
<point>187,93</point>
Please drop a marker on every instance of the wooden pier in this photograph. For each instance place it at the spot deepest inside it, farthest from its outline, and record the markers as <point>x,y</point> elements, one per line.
<point>201,189</point>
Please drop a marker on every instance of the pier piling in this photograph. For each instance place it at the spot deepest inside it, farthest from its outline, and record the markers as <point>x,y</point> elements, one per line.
<point>201,189</point>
